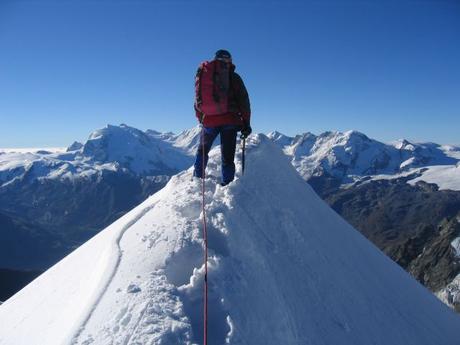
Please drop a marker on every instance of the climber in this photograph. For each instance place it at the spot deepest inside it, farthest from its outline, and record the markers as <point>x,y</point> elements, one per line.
<point>222,107</point>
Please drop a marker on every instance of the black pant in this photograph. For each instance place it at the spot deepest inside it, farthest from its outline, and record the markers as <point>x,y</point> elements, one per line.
<point>228,136</point>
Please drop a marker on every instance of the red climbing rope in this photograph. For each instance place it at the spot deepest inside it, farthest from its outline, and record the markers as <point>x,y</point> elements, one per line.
<point>205,237</point>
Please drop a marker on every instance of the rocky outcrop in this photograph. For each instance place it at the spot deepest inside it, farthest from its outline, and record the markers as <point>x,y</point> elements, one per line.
<point>437,265</point>
<point>414,225</point>
<point>13,281</point>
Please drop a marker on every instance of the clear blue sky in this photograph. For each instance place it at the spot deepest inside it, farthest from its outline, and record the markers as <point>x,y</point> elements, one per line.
<point>390,69</point>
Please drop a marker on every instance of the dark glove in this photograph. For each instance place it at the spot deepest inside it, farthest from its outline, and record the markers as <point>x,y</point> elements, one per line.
<point>246,131</point>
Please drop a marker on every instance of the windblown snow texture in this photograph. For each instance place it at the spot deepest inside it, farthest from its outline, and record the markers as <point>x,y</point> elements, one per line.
<point>284,269</point>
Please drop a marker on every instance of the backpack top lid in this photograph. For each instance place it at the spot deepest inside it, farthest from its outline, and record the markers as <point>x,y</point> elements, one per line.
<point>210,64</point>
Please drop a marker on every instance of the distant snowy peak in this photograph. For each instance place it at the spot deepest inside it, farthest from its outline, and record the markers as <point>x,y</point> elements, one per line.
<point>350,154</point>
<point>334,153</point>
<point>167,136</point>
<point>403,144</point>
<point>115,143</point>
<point>325,140</point>
<point>74,147</point>
<point>188,140</point>
<point>140,152</point>
<point>111,148</point>
<point>279,138</point>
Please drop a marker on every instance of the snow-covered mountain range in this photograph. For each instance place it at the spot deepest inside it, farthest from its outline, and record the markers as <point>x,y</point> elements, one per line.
<point>284,269</point>
<point>111,148</point>
<point>348,156</point>
<point>351,156</point>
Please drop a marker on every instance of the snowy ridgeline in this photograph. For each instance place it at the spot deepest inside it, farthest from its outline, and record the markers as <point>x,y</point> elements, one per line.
<point>347,156</point>
<point>352,156</point>
<point>113,148</point>
<point>284,269</point>
<point>33,150</point>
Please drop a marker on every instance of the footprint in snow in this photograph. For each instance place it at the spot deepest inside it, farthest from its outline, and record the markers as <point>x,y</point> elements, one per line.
<point>133,288</point>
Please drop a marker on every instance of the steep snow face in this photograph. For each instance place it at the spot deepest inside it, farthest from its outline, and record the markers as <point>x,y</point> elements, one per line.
<point>284,269</point>
<point>351,155</point>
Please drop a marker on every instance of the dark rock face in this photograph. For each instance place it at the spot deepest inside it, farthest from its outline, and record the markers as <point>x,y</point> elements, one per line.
<point>26,245</point>
<point>13,281</point>
<point>436,266</point>
<point>414,225</point>
<point>54,216</point>
<point>79,205</point>
<point>324,184</point>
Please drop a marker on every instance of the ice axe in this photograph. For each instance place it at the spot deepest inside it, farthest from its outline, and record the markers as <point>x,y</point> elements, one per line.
<point>243,149</point>
<point>245,131</point>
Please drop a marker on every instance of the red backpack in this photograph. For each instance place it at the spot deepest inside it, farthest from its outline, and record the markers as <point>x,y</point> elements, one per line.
<point>212,85</point>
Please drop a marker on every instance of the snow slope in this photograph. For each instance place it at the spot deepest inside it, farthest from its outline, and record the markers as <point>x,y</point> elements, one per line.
<point>284,269</point>
<point>445,176</point>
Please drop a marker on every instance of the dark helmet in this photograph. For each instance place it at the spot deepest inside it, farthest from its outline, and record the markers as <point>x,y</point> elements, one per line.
<point>222,54</point>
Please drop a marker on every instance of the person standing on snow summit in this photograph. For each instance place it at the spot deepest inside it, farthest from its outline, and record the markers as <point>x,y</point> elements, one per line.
<point>222,107</point>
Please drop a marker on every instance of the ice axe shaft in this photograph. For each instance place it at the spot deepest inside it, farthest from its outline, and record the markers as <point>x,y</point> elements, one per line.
<point>243,158</point>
